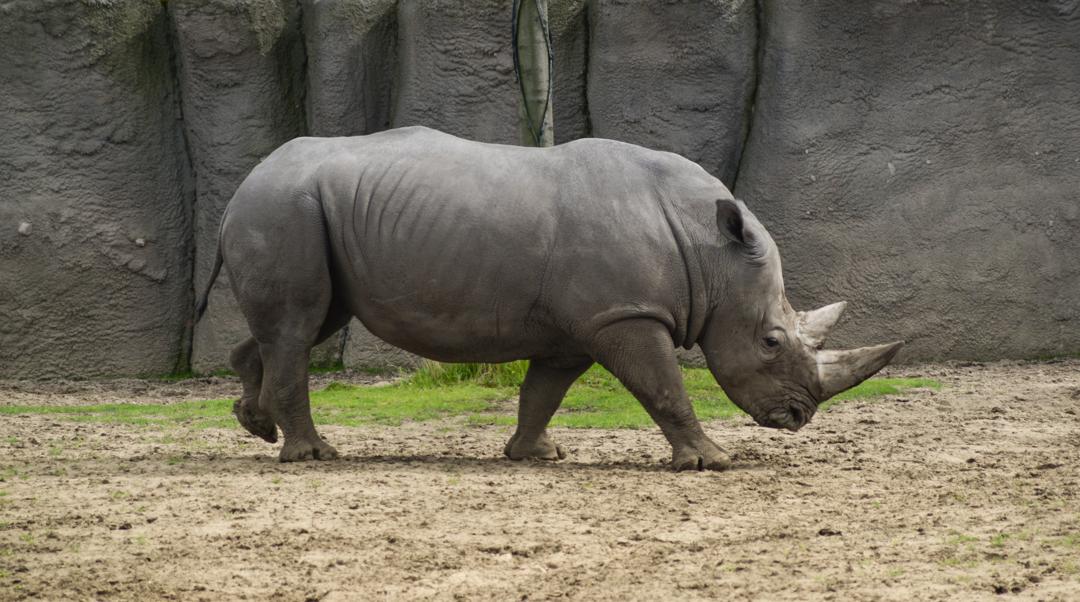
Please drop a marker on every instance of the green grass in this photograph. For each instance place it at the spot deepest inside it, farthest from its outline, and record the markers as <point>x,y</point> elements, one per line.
<point>959,538</point>
<point>435,374</point>
<point>877,387</point>
<point>470,391</point>
<point>598,400</point>
<point>200,413</point>
<point>350,405</point>
<point>1071,540</point>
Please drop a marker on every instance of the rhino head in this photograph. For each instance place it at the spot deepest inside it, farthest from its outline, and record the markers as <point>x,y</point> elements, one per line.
<point>768,357</point>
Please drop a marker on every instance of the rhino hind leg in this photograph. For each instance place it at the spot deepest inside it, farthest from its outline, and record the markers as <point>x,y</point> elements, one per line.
<point>285,395</point>
<point>546,383</point>
<point>286,295</point>
<point>247,364</point>
<point>640,353</point>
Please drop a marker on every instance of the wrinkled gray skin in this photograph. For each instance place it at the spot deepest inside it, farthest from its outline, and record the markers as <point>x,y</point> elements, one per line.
<point>592,251</point>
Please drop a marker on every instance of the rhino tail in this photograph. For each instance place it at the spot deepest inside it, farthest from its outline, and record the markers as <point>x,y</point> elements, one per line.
<point>204,298</point>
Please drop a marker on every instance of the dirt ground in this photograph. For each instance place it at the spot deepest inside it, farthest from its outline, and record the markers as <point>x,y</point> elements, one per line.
<point>970,492</point>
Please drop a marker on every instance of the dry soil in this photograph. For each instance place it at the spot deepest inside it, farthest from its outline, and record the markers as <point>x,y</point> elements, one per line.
<point>970,492</point>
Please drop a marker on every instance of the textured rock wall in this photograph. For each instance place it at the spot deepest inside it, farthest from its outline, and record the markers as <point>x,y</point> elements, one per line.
<point>922,160</point>
<point>569,24</point>
<point>95,200</point>
<point>351,47</point>
<point>919,159</point>
<point>352,53</point>
<point>674,75</point>
<point>241,79</point>
<point>455,68</point>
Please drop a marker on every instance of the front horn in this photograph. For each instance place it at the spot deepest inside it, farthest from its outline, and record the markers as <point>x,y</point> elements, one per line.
<point>841,370</point>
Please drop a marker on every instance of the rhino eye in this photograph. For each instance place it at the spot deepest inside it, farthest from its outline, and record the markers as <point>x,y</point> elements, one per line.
<point>772,342</point>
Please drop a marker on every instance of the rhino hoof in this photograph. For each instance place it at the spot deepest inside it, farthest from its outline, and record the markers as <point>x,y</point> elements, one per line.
<point>304,450</point>
<point>691,459</point>
<point>256,423</point>
<point>540,449</point>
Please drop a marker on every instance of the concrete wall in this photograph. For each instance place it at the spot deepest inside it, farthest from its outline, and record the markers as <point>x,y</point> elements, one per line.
<point>241,81</point>
<point>95,191</point>
<point>921,160</point>
<point>674,75</point>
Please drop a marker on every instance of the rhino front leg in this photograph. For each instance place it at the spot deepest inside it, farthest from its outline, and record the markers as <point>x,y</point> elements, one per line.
<point>641,355</point>
<point>545,386</point>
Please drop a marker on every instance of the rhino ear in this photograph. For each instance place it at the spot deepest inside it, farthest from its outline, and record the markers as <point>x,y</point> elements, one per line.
<point>736,223</point>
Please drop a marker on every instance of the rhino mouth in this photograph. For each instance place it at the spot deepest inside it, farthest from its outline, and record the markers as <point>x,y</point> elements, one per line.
<point>791,417</point>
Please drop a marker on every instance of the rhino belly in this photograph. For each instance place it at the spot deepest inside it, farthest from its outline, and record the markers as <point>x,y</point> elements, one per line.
<point>449,293</point>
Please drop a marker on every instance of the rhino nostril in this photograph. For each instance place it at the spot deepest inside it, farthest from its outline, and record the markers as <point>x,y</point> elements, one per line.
<point>797,416</point>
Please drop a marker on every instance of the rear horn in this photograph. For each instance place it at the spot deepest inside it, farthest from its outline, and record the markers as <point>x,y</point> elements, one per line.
<point>814,325</point>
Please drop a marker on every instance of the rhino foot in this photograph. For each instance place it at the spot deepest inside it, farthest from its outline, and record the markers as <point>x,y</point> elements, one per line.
<point>704,456</point>
<point>540,448</point>
<point>307,449</point>
<point>257,423</point>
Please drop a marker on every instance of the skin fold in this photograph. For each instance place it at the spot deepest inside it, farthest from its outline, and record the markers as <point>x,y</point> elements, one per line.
<point>591,251</point>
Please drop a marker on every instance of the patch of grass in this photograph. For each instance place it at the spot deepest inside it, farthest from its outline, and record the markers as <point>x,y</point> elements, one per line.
<point>597,400</point>
<point>960,538</point>
<point>1071,540</point>
<point>998,541</point>
<point>349,405</point>
<point>960,563</point>
<point>326,368</point>
<point>435,374</point>
<point>877,387</point>
<point>197,413</point>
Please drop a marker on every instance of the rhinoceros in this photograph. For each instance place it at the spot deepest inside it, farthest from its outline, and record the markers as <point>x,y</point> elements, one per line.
<point>594,251</point>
